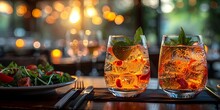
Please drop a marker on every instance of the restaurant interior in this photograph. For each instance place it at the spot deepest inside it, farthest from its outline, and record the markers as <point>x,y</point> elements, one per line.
<point>72,34</point>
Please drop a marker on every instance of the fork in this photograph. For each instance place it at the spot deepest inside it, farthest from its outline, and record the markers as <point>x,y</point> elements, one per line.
<point>78,86</point>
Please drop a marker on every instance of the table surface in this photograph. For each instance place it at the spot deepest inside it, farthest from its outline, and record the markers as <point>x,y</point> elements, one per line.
<point>47,101</point>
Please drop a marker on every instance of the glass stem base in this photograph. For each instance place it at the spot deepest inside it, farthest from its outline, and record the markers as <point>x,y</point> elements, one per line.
<point>123,93</point>
<point>181,94</point>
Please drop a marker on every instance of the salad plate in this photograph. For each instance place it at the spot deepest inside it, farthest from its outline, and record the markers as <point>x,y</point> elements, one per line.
<point>33,90</point>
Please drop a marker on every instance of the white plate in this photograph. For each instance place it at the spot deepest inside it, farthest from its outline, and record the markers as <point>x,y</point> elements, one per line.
<point>32,90</point>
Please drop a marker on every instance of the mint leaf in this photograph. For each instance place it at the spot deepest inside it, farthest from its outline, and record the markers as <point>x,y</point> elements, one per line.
<point>137,37</point>
<point>181,40</point>
<point>129,41</point>
<point>182,37</point>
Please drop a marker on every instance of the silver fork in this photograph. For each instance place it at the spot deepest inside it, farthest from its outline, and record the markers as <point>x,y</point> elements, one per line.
<point>78,85</point>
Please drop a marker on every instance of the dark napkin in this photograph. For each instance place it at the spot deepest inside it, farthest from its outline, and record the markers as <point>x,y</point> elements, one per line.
<point>152,95</point>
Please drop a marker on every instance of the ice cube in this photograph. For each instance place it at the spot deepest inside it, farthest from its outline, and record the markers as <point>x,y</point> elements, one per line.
<point>128,80</point>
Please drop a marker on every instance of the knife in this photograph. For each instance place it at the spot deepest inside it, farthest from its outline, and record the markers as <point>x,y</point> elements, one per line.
<point>82,97</point>
<point>65,98</point>
<point>212,91</point>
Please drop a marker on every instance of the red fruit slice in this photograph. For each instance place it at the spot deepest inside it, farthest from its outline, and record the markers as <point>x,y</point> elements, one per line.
<point>110,50</point>
<point>118,83</point>
<point>118,63</point>
<point>145,76</point>
<point>183,83</point>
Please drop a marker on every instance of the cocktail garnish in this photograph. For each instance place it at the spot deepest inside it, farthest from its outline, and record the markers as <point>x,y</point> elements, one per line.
<point>182,39</point>
<point>122,49</point>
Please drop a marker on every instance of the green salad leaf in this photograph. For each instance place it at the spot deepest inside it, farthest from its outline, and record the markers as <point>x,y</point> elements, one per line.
<point>14,75</point>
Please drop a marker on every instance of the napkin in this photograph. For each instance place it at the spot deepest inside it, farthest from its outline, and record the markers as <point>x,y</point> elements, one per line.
<point>152,95</point>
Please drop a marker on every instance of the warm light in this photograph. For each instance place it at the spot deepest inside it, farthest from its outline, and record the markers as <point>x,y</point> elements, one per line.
<point>75,15</point>
<point>105,14</point>
<point>48,9</point>
<point>50,20</point>
<point>21,10</point>
<point>85,42</point>
<point>206,48</point>
<point>55,14</point>
<point>88,32</point>
<point>36,13</point>
<point>192,2</point>
<point>76,3</point>
<point>5,7</point>
<point>119,19</point>
<point>58,6</point>
<point>97,20</point>
<point>90,11</point>
<point>64,15</point>
<point>75,42</point>
<point>95,53</point>
<point>36,44</point>
<point>111,16</point>
<point>20,43</point>
<point>105,8</point>
<point>73,31</point>
<point>56,53</point>
<point>180,4</point>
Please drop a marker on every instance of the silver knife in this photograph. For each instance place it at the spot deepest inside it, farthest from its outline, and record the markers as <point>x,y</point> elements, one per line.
<point>82,96</point>
<point>65,98</point>
<point>212,91</point>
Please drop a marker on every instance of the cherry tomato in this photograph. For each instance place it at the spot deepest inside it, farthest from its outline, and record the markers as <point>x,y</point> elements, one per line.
<point>5,78</point>
<point>54,72</point>
<point>31,67</point>
<point>24,82</point>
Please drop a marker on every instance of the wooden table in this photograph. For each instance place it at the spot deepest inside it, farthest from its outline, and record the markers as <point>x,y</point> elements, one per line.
<point>47,101</point>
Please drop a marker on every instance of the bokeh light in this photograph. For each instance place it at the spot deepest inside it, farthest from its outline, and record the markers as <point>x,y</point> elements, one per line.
<point>88,32</point>
<point>106,8</point>
<point>75,15</point>
<point>119,19</point>
<point>58,6</point>
<point>73,31</point>
<point>20,43</point>
<point>48,9</point>
<point>5,7</point>
<point>111,16</point>
<point>64,15</point>
<point>97,20</point>
<point>36,44</point>
<point>36,13</point>
<point>50,20</point>
<point>90,11</point>
<point>56,53</point>
<point>21,10</point>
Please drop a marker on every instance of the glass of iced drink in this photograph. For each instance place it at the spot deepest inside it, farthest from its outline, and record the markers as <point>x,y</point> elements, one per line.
<point>127,66</point>
<point>182,70</point>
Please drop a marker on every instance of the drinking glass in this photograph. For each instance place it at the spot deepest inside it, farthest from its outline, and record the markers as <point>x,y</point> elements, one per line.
<point>182,70</point>
<point>127,68</point>
<point>78,49</point>
<point>94,49</point>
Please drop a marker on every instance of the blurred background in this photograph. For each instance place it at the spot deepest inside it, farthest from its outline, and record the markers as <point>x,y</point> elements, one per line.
<point>72,34</point>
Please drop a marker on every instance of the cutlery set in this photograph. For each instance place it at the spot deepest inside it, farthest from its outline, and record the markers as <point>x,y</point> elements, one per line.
<point>78,86</point>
